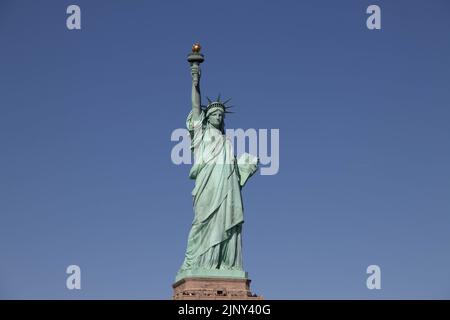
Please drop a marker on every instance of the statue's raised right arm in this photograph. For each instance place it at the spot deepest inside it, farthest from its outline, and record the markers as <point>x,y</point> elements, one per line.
<point>196,98</point>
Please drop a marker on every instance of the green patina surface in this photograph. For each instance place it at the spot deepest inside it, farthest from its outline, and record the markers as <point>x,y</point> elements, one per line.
<point>214,247</point>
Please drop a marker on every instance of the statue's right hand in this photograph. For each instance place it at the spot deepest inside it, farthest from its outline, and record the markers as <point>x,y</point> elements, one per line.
<point>195,72</point>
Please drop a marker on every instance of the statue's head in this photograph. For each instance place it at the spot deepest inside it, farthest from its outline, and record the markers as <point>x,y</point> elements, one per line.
<point>215,113</point>
<point>215,118</point>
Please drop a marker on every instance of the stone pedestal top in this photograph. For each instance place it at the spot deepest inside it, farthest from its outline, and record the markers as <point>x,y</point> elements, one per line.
<point>203,288</point>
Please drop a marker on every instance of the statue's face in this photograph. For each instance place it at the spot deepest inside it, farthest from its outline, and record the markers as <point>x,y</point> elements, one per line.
<point>216,118</point>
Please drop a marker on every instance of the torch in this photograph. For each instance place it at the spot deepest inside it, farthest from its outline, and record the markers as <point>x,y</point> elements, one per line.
<point>194,59</point>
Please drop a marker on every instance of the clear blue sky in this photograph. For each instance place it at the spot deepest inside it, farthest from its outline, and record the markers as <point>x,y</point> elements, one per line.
<point>86,117</point>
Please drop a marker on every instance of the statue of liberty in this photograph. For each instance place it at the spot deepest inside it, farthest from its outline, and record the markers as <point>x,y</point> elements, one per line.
<point>214,246</point>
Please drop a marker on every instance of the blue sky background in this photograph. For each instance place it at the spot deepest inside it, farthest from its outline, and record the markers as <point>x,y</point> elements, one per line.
<point>86,117</point>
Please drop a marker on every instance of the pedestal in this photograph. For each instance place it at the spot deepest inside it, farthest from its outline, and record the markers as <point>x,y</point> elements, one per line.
<point>198,288</point>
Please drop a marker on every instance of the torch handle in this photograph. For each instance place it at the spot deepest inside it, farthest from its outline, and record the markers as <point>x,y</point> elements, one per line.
<point>195,72</point>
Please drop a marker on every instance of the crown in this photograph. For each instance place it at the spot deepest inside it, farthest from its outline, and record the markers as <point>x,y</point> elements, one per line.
<point>215,105</point>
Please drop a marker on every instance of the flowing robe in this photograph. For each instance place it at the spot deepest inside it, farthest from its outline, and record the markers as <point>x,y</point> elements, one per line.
<point>214,240</point>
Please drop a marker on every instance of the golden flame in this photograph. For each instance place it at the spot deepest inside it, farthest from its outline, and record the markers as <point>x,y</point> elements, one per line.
<point>196,48</point>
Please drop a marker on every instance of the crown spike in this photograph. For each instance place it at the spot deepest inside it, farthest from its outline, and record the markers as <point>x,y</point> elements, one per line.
<point>209,100</point>
<point>228,100</point>
<point>218,98</point>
